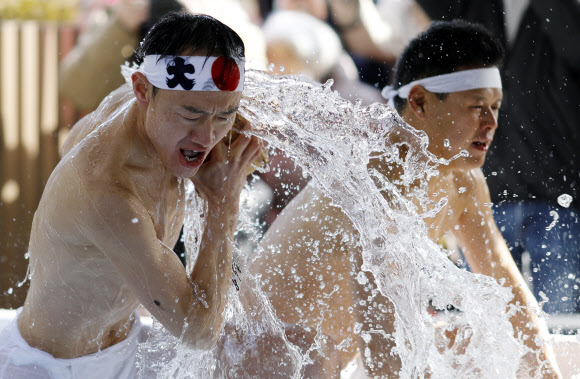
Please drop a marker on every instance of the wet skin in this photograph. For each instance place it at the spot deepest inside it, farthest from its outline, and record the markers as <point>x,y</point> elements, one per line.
<point>311,255</point>
<point>113,207</point>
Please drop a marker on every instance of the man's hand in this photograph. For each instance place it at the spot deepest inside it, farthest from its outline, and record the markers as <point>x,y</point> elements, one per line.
<point>221,178</point>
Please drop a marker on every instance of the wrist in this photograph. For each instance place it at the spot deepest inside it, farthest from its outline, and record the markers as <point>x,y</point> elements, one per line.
<point>222,217</point>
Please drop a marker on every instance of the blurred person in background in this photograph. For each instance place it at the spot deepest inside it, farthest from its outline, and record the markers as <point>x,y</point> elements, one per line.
<point>371,42</point>
<point>533,168</point>
<point>92,69</point>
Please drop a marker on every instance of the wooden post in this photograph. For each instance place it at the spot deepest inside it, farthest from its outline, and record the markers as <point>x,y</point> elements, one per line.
<point>29,144</point>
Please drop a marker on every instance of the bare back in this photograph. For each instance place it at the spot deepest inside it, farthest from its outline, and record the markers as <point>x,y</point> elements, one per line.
<point>310,268</point>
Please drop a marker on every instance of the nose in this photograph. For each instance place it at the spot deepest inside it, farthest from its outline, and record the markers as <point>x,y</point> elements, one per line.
<point>204,134</point>
<point>488,118</point>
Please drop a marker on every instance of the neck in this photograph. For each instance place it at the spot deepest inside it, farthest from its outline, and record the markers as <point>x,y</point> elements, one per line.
<point>142,152</point>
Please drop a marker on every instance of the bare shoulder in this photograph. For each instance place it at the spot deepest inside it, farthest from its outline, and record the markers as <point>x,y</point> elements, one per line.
<point>85,126</point>
<point>471,193</point>
<point>311,210</point>
<point>473,181</point>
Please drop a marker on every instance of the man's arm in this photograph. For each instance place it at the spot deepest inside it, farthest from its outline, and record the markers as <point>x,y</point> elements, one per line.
<point>189,306</point>
<point>364,31</point>
<point>487,253</point>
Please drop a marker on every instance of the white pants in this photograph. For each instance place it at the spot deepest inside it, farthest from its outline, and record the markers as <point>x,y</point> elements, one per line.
<point>18,360</point>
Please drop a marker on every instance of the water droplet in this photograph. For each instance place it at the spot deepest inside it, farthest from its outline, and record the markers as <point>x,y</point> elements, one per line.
<point>446,142</point>
<point>565,200</point>
<point>135,220</point>
<point>462,189</point>
<point>361,278</point>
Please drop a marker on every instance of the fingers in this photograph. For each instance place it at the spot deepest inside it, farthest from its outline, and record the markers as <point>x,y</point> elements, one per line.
<point>219,152</point>
<point>242,152</point>
<point>243,146</point>
<point>252,150</point>
<point>241,124</point>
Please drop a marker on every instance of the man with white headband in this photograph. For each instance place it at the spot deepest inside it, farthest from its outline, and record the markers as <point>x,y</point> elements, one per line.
<point>111,211</point>
<point>447,85</point>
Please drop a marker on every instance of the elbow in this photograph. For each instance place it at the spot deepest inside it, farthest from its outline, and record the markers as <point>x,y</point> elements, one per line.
<point>202,339</point>
<point>202,331</point>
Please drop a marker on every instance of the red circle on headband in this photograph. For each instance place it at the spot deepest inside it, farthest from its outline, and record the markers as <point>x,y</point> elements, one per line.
<point>225,74</point>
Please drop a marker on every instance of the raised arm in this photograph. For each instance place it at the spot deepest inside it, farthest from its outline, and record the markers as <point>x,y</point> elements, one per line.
<point>123,230</point>
<point>189,306</point>
<point>487,253</point>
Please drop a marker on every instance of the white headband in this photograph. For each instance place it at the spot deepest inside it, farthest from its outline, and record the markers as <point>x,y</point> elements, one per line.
<point>453,82</point>
<point>194,73</point>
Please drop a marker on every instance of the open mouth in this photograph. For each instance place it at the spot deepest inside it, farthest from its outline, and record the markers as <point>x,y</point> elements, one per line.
<point>192,157</point>
<point>479,145</point>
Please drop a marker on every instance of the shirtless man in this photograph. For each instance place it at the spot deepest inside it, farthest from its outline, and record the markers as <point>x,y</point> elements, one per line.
<point>458,112</point>
<point>113,207</point>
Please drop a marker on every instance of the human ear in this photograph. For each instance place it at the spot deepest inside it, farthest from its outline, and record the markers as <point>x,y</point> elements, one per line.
<point>416,101</point>
<point>142,89</point>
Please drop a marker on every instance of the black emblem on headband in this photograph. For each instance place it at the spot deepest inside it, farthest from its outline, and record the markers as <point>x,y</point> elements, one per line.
<point>178,69</point>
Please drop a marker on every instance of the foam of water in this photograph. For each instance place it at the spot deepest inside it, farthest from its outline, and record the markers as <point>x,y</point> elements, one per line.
<point>333,141</point>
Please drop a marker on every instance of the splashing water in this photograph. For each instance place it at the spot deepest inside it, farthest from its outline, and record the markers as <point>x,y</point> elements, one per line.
<point>565,200</point>
<point>333,141</point>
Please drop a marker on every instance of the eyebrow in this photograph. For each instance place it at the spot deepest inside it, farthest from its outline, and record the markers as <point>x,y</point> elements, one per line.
<point>479,97</point>
<point>191,109</point>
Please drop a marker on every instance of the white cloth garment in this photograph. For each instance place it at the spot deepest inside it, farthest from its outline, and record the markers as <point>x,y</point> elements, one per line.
<point>18,360</point>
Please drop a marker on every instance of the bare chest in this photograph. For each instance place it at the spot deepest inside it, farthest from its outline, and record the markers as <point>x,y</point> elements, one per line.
<point>165,206</point>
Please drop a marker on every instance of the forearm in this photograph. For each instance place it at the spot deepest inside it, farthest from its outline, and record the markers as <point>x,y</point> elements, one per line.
<point>366,34</point>
<point>523,309</point>
<point>528,327</point>
<point>210,277</point>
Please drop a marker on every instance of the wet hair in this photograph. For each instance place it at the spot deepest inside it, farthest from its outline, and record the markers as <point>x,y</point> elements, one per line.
<point>183,33</point>
<point>445,47</point>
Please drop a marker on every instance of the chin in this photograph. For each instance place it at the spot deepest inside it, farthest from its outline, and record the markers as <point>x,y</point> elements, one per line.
<point>471,163</point>
<point>182,172</point>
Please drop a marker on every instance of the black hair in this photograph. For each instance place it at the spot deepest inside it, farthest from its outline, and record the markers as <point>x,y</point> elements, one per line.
<point>158,9</point>
<point>445,47</point>
<point>183,33</point>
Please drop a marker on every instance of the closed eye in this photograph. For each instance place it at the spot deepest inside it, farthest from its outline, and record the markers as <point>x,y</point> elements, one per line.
<point>190,118</point>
